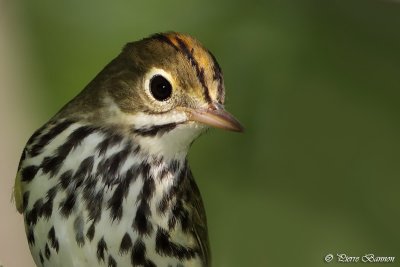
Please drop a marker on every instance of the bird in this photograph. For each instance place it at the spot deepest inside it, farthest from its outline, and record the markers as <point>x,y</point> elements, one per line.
<point>106,181</point>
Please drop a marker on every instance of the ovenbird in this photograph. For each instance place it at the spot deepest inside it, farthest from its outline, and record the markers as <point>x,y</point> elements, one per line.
<point>106,182</point>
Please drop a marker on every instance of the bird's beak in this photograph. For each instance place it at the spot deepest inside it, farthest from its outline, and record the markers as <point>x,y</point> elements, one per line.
<point>216,116</point>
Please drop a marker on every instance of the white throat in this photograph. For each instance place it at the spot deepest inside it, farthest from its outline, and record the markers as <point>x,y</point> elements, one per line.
<point>171,144</point>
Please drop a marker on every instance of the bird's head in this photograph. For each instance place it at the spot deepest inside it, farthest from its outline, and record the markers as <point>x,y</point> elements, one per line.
<point>165,89</point>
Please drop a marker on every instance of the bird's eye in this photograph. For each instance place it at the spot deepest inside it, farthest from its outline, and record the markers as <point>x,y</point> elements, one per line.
<point>160,88</point>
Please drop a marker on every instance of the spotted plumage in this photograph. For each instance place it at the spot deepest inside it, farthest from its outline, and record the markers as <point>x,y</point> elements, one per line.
<point>106,181</point>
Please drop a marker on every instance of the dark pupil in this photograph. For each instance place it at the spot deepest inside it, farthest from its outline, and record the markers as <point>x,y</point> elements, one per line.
<point>160,88</point>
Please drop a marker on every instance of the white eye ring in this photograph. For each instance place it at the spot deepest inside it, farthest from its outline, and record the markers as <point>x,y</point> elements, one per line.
<point>154,72</point>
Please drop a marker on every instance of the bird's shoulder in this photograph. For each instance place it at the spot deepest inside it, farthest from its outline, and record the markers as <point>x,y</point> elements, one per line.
<point>17,193</point>
<point>27,153</point>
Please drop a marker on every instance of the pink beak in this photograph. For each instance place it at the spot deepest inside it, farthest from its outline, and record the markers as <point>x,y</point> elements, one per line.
<point>215,116</point>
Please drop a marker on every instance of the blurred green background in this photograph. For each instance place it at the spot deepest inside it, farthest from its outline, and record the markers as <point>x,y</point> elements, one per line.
<point>317,86</point>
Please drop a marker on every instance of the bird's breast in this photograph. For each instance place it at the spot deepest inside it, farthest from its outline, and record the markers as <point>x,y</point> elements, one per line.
<point>92,195</point>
